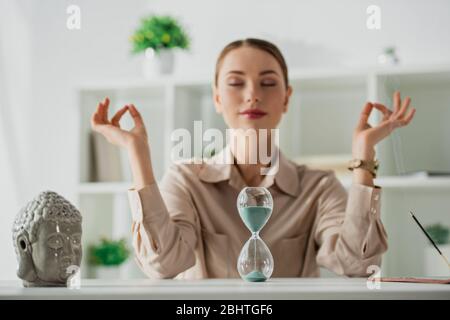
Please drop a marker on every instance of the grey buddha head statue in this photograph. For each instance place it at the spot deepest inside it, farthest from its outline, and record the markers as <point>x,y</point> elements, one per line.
<point>47,240</point>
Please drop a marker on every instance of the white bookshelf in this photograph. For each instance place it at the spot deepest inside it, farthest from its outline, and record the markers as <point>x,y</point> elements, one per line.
<point>393,182</point>
<point>323,111</point>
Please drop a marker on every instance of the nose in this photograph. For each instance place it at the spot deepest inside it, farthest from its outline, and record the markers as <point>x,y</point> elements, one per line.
<point>68,248</point>
<point>252,94</point>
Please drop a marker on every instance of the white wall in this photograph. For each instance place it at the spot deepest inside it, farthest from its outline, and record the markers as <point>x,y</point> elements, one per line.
<point>316,32</point>
<point>15,79</point>
<point>311,34</point>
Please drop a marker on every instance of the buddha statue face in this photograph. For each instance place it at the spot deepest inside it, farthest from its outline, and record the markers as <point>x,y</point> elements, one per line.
<point>47,238</point>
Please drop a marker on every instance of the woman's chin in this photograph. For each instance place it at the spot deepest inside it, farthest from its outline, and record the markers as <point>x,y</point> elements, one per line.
<point>251,124</point>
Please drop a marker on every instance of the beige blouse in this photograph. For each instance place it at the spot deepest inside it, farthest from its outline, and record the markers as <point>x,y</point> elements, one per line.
<point>188,225</point>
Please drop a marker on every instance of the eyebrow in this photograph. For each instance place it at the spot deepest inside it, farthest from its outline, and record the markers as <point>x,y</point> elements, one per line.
<point>261,73</point>
<point>54,234</point>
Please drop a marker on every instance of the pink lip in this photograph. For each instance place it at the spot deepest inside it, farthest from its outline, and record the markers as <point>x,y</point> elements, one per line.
<point>253,113</point>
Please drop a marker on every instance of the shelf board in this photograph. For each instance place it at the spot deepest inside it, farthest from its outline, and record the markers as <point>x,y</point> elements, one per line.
<point>161,83</point>
<point>104,187</point>
<point>93,188</point>
<point>308,75</point>
<point>405,182</point>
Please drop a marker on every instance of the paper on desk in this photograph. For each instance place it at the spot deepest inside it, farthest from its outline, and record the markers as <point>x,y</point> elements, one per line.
<point>416,280</point>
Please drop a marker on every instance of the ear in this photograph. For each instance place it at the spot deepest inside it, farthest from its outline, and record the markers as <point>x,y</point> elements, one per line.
<point>26,269</point>
<point>216,98</point>
<point>287,98</point>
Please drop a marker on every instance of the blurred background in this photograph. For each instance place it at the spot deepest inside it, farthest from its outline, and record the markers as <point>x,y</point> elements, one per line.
<point>59,58</point>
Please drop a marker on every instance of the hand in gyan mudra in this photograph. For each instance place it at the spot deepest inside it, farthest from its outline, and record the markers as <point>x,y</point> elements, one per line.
<point>365,137</point>
<point>111,129</point>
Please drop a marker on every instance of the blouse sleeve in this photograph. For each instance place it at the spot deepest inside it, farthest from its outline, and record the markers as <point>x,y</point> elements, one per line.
<point>349,233</point>
<point>164,226</point>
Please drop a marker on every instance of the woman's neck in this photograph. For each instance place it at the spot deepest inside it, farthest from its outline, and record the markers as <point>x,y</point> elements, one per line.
<point>248,161</point>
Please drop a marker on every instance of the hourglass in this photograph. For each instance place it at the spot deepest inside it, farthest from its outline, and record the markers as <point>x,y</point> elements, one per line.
<point>255,262</point>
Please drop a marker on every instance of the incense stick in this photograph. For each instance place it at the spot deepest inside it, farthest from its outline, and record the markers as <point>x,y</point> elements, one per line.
<point>429,238</point>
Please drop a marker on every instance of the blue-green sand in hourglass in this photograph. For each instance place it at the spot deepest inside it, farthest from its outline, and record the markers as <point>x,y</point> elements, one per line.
<point>255,262</point>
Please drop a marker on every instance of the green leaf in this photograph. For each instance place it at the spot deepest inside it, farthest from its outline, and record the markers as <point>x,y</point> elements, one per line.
<point>158,32</point>
<point>438,233</point>
<point>109,252</point>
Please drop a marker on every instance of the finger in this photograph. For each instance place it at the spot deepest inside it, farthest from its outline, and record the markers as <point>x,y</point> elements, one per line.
<point>97,115</point>
<point>383,109</point>
<point>390,125</point>
<point>408,117</point>
<point>104,108</point>
<point>116,119</point>
<point>404,107</point>
<point>365,114</point>
<point>94,120</point>
<point>100,108</point>
<point>97,126</point>
<point>137,118</point>
<point>397,101</point>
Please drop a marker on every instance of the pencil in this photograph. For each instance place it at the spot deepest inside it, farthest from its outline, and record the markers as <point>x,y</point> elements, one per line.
<point>429,238</point>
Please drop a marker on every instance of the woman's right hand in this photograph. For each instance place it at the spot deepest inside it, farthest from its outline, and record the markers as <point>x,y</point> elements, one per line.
<point>111,129</point>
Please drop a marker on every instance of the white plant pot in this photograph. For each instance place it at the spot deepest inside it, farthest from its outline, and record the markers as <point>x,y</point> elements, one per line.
<point>434,264</point>
<point>160,63</point>
<point>108,272</point>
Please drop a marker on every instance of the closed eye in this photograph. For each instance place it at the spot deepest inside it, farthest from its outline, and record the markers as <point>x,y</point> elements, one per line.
<point>55,242</point>
<point>269,83</point>
<point>264,84</point>
<point>76,239</point>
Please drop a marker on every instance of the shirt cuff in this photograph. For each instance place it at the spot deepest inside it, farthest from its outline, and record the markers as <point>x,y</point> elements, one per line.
<point>364,201</point>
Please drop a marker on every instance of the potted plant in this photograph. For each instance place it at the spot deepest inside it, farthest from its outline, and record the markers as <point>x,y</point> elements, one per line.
<point>157,37</point>
<point>434,264</point>
<point>107,256</point>
<point>388,57</point>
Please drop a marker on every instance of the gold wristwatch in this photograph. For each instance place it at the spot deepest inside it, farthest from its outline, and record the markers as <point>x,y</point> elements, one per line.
<point>370,165</point>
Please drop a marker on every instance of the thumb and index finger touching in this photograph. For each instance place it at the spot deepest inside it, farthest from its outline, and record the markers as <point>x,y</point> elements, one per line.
<point>100,116</point>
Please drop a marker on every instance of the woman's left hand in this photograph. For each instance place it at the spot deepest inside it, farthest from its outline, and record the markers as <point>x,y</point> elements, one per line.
<point>365,137</point>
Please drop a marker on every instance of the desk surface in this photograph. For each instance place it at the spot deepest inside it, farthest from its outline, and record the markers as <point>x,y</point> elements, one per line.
<point>276,288</point>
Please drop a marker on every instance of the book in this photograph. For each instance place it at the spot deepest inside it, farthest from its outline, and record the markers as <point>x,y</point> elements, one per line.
<point>106,163</point>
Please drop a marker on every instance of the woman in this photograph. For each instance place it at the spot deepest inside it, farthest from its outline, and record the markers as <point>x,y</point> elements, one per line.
<point>187,226</point>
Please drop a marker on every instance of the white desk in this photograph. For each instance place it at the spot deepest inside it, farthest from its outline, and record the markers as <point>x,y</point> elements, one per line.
<point>277,288</point>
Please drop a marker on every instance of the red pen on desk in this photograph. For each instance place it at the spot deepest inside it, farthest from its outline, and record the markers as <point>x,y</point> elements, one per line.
<point>429,238</point>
